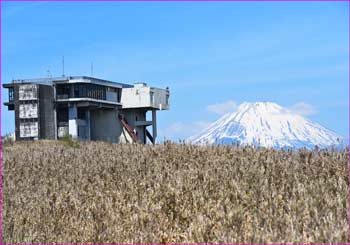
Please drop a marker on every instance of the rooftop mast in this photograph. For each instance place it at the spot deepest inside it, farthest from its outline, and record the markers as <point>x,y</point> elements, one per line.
<point>62,66</point>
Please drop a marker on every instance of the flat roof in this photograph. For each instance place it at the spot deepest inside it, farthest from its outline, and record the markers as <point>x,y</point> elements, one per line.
<point>67,79</point>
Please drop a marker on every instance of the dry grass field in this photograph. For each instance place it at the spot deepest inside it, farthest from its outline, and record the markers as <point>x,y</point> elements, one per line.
<point>66,192</point>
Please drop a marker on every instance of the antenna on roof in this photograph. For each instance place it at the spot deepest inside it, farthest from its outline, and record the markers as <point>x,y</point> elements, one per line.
<point>62,66</point>
<point>92,69</point>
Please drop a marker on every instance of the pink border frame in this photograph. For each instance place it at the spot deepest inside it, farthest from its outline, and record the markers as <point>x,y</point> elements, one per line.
<point>0,122</point>
<point>174,0</point>
<point>348,211</point>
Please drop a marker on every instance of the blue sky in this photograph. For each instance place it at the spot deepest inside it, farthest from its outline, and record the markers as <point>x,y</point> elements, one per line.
<point>213,56</point>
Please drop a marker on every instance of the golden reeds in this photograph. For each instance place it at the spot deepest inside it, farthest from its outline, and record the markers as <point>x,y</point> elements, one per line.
<point>97,192</point>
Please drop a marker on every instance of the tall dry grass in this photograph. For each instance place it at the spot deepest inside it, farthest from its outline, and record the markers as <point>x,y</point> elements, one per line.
<point>96,192</point>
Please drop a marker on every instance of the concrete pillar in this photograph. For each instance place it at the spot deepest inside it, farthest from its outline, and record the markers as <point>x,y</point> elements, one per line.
<point>73,123</point>
<point>71,91</point>
<point>55,121</point>
<point>88,124</point>
<point>154,125</point>
<point>55,112</point>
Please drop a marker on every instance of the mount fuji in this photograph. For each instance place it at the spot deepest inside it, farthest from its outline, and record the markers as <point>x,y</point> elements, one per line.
<point>269,125</point>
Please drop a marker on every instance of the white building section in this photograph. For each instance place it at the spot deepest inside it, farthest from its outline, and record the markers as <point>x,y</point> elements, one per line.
<point>28,92</point>
<point>28,110</point>
<point>62,132</point>
<point>28,129</point>
<point>73,121</point>
<point>142,96</point>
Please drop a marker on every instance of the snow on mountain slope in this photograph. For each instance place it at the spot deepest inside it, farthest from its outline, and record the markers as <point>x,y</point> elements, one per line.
<point>266,124</point>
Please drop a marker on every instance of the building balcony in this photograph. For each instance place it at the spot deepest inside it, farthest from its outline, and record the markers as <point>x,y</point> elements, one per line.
<point>10,105</point>
<point>143,123</point>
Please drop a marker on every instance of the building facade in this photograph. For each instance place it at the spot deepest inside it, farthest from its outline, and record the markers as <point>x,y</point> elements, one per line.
<point>86,108</point>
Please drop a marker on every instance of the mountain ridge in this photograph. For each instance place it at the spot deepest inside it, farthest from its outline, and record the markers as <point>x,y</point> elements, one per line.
<point>267,124</point>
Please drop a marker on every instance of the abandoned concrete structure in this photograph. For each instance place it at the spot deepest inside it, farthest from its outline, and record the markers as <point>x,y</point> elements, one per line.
<point>85,108</point>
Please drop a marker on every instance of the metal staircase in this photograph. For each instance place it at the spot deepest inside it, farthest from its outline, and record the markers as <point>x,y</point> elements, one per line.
<point>131,132</point>
<point>128,128</point>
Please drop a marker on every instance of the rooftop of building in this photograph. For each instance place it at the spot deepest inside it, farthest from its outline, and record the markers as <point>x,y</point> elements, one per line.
<point>67,79</point>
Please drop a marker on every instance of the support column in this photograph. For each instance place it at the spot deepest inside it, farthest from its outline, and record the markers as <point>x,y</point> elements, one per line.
<point>154,125</point>
<point>55,112</point>
<point>73,124</point>
<point>55,121</point>
<point>88,124</point>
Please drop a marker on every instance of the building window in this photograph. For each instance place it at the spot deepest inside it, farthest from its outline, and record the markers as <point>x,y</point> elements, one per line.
<point>63,91</point>
<point>11,95</point>
<point>82,90</point>
<point>77,91</point>
<point>62,115</point>
<point>119,95</point>
<point>81,114</point>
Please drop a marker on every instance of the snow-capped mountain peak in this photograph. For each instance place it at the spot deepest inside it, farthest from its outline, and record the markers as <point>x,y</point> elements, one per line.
<point>266,124</point>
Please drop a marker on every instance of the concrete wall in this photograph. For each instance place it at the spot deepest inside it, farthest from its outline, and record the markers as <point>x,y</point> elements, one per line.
<point>105,125</point>
<point>83,129</point>
<point>161,99</point>
<point>46,112</point>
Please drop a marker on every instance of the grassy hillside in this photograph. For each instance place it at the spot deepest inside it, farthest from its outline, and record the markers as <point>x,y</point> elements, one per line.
<point>64,192</point>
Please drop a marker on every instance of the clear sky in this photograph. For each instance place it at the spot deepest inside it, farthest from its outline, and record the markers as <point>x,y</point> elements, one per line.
<point>213,56</point>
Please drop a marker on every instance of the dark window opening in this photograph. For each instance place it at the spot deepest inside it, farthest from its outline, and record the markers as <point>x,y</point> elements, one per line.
<point>62,116</point>
<point>81,90</point>
<point>63,91</point>
<point>11,95</point>
<point>119,95</point>
<point>81,114</point>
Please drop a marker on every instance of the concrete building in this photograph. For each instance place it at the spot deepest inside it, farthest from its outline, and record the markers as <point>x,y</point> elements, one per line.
<point>85,108</point>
